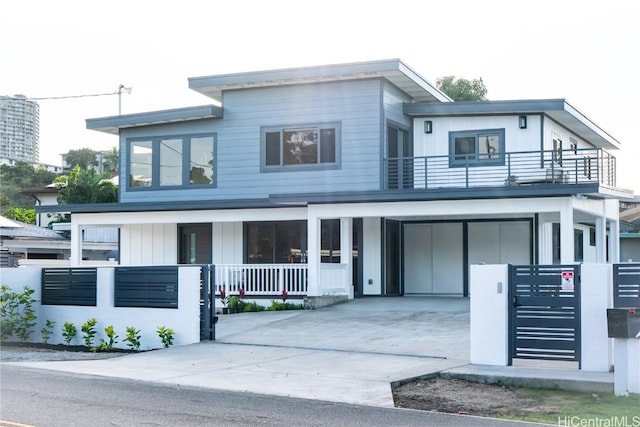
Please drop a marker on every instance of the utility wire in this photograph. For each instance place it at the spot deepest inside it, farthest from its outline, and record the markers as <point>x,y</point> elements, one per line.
<point>75,96</point>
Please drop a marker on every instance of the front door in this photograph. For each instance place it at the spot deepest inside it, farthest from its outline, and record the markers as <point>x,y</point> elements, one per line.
<point>195,243</point>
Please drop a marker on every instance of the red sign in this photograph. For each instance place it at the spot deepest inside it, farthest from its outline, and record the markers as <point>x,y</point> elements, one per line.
<point>567,274</point>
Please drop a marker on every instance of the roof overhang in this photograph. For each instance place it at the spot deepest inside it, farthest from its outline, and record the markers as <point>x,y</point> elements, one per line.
<point>393,70</point>
<point>558,110</point>
<point>113,124</point>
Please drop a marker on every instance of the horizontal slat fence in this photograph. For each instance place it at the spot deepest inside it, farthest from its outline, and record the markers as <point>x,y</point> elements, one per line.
<point>69,286</point>
<point>155,287</point>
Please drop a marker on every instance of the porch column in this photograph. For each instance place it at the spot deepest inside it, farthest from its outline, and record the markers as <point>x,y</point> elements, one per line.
<point>601,240</point>
<point>567,252</point>
<point>614,241</point>
<point>346,249</point>
<point>313,255</point>
<point>76,244</point>
<point>545,241</point>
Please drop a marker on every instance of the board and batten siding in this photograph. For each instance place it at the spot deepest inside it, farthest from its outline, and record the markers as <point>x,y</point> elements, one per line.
<point>355,105</point>
<point>149,244</point>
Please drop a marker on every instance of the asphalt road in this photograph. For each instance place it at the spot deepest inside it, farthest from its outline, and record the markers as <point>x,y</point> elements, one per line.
<point>33,397</point>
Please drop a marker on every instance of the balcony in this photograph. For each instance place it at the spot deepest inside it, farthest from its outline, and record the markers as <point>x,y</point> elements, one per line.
<point>525,168</point>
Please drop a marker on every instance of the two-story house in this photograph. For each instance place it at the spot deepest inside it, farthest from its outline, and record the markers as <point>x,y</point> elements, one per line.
<point>360,179</point>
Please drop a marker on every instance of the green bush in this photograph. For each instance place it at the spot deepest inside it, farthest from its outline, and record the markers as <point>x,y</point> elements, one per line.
<point>47,331</point>
<point>17,315</point>
<point>250,307</point>
<point>69,332</point>
<point>278,306</point>
<point>112,339</point>
<point>166,336</point>
<point>133,338</point>
<point>89,332</point>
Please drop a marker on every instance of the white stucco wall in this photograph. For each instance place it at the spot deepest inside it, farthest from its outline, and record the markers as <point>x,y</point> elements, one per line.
<point>185,320</point>
<point>596,295</point>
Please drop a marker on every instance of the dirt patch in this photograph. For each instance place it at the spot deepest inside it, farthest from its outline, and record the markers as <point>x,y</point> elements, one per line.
<point>465,397</point>
<point>34,352</point>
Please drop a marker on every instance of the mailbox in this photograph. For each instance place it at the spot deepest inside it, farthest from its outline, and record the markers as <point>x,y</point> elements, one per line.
<point>623,322</point>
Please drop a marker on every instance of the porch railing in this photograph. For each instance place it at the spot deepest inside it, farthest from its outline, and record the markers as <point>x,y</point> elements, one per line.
<point>580,166</point>
<point>333,279</point>
<point>261,279</point>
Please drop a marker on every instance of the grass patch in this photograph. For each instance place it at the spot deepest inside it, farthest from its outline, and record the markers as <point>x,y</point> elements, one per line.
<point>571,408</point>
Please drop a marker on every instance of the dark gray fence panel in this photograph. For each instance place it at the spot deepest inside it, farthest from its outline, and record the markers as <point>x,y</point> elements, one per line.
<point>626,285</point>
<point>69,286</point>
<point>150,287</point>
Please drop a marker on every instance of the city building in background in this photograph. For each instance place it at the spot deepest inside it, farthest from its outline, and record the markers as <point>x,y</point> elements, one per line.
<point>19,129</point>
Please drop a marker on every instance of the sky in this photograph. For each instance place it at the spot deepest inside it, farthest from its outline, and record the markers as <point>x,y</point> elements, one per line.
<point>584,51</point>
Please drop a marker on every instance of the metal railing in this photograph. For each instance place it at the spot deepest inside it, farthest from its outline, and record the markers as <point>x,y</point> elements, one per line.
<point>580,166</point>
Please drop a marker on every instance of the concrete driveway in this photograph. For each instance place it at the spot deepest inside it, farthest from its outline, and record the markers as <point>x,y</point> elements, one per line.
<point>349,352</point>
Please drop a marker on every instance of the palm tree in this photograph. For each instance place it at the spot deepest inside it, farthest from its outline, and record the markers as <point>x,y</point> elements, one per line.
<point>111,160</point>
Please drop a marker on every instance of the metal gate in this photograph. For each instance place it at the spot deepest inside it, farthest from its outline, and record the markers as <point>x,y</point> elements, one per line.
<point>544,314</point>
<point>208,316</point>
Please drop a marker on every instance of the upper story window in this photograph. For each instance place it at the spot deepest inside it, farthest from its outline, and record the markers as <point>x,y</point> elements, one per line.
<point>176,161</point>
<point>300,147</point>
<point>476,148</point>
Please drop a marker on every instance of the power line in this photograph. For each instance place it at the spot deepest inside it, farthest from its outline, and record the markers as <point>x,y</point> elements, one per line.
<point>74,96</point>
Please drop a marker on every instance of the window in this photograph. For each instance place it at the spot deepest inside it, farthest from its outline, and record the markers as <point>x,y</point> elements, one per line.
<point>300,147</point>
<point>557,151</point>
<point>177,161</point>
<point>476,148</point>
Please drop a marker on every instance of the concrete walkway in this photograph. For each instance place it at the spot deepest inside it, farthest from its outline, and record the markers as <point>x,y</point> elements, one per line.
<point>348,353</point>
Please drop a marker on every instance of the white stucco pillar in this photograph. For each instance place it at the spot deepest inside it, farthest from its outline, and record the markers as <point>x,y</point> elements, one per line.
<point>614,241</point>
<point>346,248</point>
<point>545,247</point>
<point>567,252</point>
<point>76,244</point>
<point>601,240</point>
<point>313,254</point>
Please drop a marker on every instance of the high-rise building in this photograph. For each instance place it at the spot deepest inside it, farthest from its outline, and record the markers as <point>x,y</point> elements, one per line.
<point>19,128</point>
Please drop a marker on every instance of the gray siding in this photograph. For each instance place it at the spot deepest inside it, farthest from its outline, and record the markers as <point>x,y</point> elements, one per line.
<point>356,105</point>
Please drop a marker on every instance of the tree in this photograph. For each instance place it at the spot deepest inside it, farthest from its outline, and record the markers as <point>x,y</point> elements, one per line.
<point>85,186</point>
<point>462,89</point>
<point>84,157</point>
<point>110,160</point>
<point>17,178</point>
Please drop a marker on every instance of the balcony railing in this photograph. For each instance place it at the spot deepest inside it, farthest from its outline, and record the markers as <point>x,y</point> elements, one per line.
<point>580,166</point>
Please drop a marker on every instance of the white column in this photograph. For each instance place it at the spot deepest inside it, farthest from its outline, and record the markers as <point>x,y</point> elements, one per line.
<point>545,246</point>
<point>346,248</point>
<point>601,240</point>
<point>313,254</point>
<point>626,375</point>
<point>614,241</point>
<point>567,253</point>
<point>595,297</point>
<point>76,244</point>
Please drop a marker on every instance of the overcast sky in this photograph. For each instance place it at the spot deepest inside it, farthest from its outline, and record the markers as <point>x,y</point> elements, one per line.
<point>586,52</point>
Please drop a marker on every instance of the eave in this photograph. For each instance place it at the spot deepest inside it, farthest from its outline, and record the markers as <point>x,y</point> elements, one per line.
<point>113,124</point>
<point>558,110</point>
<point>393,70</point>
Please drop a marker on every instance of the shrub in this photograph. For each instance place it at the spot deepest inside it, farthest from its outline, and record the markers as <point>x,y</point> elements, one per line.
<point>47,331</point>
<point>133,338</point>
<point>166,336</point>
<point>17,315</point>
<point>89,332</point>
<point>278,306</point>
<point>69,332</point>
<point>111,335</point>
<point>252,307</point>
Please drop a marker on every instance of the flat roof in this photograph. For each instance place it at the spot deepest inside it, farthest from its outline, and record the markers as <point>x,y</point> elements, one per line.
<point>557,109</point>
<point>113,124</point>
<point>394,70</point>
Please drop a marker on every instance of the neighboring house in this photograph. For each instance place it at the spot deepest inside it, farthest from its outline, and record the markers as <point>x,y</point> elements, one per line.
<point>363,175</point>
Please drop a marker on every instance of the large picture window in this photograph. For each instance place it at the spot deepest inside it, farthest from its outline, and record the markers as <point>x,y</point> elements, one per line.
<point>176,161</point>
<point>300,147</point>
<point>476,148</point>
